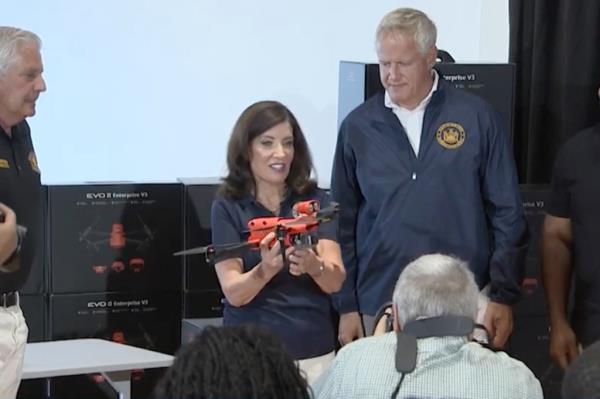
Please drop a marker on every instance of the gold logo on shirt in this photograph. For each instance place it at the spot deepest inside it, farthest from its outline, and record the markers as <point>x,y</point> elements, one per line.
<point>4,164</point>
<point>33,162</point>
<point>450,135</point>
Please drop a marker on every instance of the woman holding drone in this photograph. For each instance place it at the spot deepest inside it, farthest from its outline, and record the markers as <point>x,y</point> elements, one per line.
<point>285,290</point>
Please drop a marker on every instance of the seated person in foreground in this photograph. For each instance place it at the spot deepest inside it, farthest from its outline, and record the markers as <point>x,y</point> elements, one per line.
<point>237,362</point>
<point>429,354</point>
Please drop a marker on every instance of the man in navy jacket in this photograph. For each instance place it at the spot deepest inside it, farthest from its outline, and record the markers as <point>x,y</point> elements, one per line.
<point>420,168</point>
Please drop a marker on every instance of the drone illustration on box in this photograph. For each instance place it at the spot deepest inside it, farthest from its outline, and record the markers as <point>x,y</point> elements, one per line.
<point>298,231</point>
<point>118,239</point>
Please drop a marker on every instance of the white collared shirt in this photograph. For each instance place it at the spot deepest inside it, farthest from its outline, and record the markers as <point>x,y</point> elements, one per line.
<point>412,120</point>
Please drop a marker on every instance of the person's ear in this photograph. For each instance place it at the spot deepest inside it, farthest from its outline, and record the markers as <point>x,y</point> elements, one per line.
<point>431,56</point>
<point>395,324</point>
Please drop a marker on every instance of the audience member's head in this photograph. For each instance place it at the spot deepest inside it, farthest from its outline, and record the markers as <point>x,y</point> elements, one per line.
<point>238,362</point>
<point>435,285</point>
<point>582,377</point>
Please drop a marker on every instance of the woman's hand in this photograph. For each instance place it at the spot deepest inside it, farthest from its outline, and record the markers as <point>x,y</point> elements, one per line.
<point>271,259</point>
<point>305,260</point>
<point>241,287</point>
<point>8,233</point>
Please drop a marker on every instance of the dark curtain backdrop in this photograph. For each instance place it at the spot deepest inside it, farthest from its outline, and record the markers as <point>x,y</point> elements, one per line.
<point>556,47</point>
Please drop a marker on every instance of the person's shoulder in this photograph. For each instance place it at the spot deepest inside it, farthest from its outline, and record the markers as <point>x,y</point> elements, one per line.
<point>221,199</point>
<point>370,346</point>
<point>23,128</point>
<point>581,145</point>
<point>320,194</point>
<point>223,202</point>
<point>502,372</point>
<point>499,358</point>
<point>366,109</point>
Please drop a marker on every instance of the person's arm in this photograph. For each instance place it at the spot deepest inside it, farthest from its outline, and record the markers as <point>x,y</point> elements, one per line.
<point>8,233</point>
<point>346,192</point>
<point>504,209</point>
<point>557,257</point>
<point>326,269</point>
<point>241,287</point>
<point>556,269</point>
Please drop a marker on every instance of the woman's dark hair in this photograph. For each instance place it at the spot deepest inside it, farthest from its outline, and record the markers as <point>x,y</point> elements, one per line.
<point>255,120</point>
<point>234,362</point>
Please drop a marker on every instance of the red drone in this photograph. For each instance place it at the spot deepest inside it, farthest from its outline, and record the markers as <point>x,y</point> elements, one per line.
<point>297,231</point>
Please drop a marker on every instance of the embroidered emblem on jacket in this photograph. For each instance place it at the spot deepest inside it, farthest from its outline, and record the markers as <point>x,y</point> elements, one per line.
<point>450,135</point>
<point>33,162</point>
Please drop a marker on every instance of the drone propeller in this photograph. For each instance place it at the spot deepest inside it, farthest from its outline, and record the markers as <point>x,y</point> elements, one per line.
<point>219,252</point>
<point>326,214</point>
<point>193,251</point>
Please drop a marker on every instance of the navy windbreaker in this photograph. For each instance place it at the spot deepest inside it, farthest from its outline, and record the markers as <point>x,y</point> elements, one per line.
<point>460,196</point>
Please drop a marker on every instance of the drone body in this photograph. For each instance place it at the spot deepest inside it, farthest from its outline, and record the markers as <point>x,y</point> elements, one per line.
<point>300,230</point>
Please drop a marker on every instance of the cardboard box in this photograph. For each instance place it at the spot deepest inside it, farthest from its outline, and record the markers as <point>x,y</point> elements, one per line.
<point>33,389</point>
<point>529,343</point>
<point>95,386</point>
<point>204,304</point>
<point>533,302</point>
<point>145,320</point>
<point>150,321</point>
<point>35,310</point>
<point>115,238</point>
<point>199,195</point>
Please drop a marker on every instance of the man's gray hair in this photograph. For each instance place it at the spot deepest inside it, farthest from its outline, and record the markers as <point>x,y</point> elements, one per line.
<point>10,40</point>
<point>412,22</point>
<point>435,285</point>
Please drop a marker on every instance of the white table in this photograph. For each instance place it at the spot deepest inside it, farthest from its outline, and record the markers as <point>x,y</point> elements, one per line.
<point>90,355</point>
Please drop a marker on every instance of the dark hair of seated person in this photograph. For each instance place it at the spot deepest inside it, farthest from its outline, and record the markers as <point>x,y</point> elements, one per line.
<point>233,362</point>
